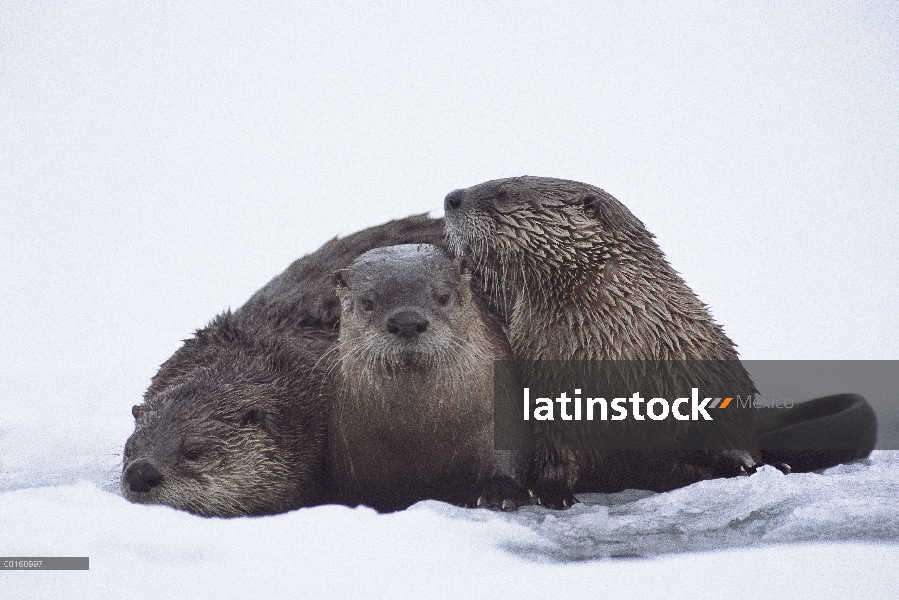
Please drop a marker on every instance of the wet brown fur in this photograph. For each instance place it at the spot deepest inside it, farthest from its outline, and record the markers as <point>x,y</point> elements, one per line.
<point>412,412</point>
<point>235,422</point>
<point>591,284</point>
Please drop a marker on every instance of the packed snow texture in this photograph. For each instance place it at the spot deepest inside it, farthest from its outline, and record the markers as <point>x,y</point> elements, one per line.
<point>437,550</point>
<point>160,161</point>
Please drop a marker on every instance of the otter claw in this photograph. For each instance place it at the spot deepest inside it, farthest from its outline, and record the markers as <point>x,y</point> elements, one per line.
<point>499,493</point>
<point>783,468</point>
<point>749,470</point>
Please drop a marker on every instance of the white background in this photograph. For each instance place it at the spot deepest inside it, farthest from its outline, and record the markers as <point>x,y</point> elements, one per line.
<point>160,161</point>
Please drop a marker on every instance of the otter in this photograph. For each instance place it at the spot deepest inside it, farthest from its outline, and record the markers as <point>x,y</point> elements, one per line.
<point>235,422</point>
<point>303,295</point>
<point>412,391</point>
<point>591,284</point>
<point>241,433</point>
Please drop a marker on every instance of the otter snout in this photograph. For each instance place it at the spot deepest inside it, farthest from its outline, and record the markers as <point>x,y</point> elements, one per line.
<point>453,200</point>
<point>407,324</point>
<point>141,476</point>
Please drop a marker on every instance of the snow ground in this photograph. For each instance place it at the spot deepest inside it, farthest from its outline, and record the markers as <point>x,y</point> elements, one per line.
<point>424,552</point>
<point>160,161</point>
<point>829,534</point>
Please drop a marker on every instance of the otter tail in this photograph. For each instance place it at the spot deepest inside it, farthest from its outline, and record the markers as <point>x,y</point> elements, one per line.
<point>818,433</point>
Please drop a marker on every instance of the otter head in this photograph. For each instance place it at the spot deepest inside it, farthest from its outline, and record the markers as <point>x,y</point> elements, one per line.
<point>229,438</point>
<point>535,232</point>
<point>404,310</point>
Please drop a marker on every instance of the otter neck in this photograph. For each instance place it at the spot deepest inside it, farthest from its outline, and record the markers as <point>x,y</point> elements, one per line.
<point>628,311</point>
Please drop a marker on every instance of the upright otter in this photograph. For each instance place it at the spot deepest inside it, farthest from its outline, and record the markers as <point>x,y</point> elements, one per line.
<point>234,422</point>
<point>591,284</point>
<point>412,393</point>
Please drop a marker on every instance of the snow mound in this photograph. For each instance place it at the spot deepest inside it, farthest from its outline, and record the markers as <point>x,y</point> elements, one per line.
<point>854,502</point>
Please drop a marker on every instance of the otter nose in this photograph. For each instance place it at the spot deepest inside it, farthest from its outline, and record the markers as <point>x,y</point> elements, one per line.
<point>453,200</point>
<point>141,476</point>
<point>407,324</point>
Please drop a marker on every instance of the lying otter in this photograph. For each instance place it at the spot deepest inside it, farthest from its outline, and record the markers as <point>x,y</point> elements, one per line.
<point>412,395</point>
<point>591,284</point>
<point>234,422</point>
<point>240,432</point>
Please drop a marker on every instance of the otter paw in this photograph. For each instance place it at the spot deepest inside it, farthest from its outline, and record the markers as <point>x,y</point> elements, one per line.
<point>555,497</point>
<point>499,493</point>
<point>782,467</point>
<point>734,463</point>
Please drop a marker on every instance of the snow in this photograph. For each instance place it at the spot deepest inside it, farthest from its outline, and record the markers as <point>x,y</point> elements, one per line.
<point>161,161</point>
<point>828,534</point>
<point>435,550</point>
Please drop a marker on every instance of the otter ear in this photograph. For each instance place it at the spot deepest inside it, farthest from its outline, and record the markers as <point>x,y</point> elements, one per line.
<point>252,416</point>
<point>337,278</point>
<point>136,411</point>
<point>464,265</point>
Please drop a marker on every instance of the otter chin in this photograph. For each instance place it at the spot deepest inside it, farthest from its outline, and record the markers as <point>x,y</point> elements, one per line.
<point>411,415</point>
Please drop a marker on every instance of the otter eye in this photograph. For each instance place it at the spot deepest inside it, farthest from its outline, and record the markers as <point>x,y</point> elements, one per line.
<point>368,305</point>
<point>193,454</point>
<point>253,416</point>
<point>590,205</point>
<point>443,300</point>
<point>502,196</point>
